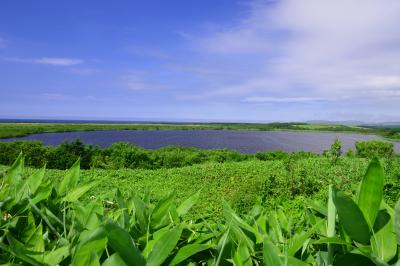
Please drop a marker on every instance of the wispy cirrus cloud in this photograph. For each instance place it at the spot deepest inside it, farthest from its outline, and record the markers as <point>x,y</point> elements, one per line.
<point>316,49</point>
<point>258,99</point>
<point>53,61</point>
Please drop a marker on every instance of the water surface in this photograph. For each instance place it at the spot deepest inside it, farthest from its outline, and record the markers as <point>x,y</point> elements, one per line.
<point>243,141</point>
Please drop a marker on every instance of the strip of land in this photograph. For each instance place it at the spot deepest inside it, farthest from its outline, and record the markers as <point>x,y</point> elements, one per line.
<point>10,130</point>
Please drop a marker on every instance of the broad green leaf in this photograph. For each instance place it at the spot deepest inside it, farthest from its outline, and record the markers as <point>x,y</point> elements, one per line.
<point>283,220</point>
<point>232,217</point>
<point>70,180</point>
<point>54,257</point>
<point>84,253</point>
<point>114,260</point>
<point>124,219</point>
<point>296,242</point>
<point>187,251</point>
<point>164,246</point>
<point>397,221</point>
<point>225,249</point>
<point>141,213</point>
<point>351,218</point>
<point>93,260</point>
<point>122,242</point>
<point>44,217</point>
<point>160,212</point>
<point>78,192</point>
<point>384,243</point>
<point>292,261</point>
<point>14,173</point>
<point>35,241</point>
<point>318,207</point>
<point>156,236</point>
<point>371,192</point>
<point>238,234</point>
<point>43,192</point>
<point>29,229</point>
<point>271,254</point>
<point>188,204</point>
<point>19,250</point>
<point>276,228</point>
<point>88,215</point>
<point>381,220</point>
<point>242,255</point>
<point>331,223</point>
<point>35,180</point>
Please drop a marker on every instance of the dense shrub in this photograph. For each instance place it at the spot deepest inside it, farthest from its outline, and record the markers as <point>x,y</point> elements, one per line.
<point>271,155</point>
<point>35,152</point>
<point>374,148</point>
<point>64,156</point>
<point>124,155</point>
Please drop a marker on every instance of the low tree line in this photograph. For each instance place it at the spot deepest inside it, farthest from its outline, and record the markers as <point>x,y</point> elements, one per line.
<point>124,155</point>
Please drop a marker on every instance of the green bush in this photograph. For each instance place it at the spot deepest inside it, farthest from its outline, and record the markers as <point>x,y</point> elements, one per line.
<point>35,152</point>
<point>374,148</point>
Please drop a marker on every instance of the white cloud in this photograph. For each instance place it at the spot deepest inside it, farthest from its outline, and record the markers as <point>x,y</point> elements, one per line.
<point>54,61</point>
<point>316,49</point>
<point>384,82</point>
<point>259,99</point>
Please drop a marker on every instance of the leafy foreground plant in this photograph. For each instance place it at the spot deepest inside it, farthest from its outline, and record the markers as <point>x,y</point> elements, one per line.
<point>44,223</point>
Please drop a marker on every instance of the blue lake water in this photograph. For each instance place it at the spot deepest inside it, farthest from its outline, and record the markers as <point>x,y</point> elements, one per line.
<point>243,141</point>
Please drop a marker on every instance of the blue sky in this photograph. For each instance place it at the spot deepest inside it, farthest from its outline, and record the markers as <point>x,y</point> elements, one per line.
<point>214,60</point>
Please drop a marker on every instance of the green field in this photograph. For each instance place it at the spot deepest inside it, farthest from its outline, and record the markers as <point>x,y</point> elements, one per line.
<point>239,213</point>
<point>242,184</point>
<point>8,130</point>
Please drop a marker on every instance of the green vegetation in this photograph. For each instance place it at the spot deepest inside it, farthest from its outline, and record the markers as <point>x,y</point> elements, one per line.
<point>371,149</point>
<point>185,206</point>
<point>50,217</point>
<point>9,130</point>
<point>123,155</point>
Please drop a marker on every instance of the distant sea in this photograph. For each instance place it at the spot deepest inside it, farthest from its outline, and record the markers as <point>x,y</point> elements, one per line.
<point>79,121</point>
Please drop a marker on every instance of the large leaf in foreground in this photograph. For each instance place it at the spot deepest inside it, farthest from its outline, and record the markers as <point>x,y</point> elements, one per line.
<point>371,192</point>
<point>271,254</point>
<point>397,221</point>
<point>164,246</point>
<point>384,243</point>
<point>70,180</point>
<point>188,251</point>
<point>351,218</point>
<point>14,173</point>
<point>188,204</point>
<point>122,242</point>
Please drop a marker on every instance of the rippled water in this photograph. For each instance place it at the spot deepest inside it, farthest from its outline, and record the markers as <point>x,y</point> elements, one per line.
<point>243,141</point>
